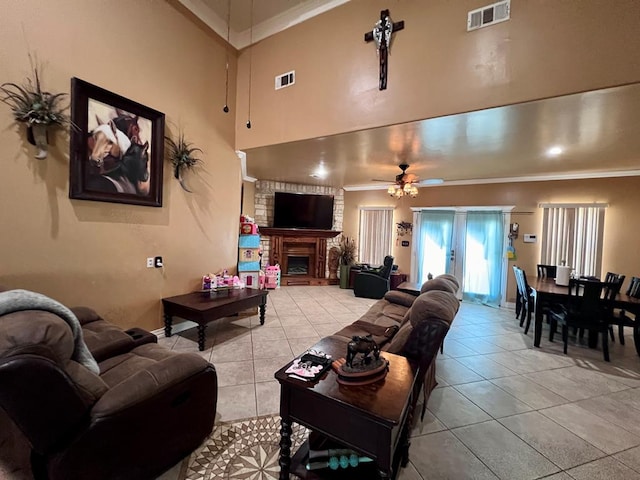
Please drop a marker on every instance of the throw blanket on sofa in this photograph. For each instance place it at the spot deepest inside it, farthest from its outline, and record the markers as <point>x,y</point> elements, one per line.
<point>19,300</point>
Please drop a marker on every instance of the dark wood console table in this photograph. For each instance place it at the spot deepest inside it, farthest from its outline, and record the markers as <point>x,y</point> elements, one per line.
<point>373,420</point>
<point>205,307</point>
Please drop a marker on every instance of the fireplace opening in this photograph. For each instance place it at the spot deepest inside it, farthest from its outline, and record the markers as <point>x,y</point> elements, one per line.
<point>297,265</point>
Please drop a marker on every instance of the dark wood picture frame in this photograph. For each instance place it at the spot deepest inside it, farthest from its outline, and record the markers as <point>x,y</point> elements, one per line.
<point>128,170</point>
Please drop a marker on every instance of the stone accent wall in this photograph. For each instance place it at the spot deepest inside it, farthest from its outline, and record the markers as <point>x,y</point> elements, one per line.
<point>265,190</point>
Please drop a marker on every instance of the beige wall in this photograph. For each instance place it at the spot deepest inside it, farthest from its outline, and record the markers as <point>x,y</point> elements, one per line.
<point>622,219</point>
<point>93,253</point>
<point>436,67</point>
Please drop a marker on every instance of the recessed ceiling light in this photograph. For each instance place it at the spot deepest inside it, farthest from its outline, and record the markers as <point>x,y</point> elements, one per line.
<point>554,151</point>
<point>320,172</point>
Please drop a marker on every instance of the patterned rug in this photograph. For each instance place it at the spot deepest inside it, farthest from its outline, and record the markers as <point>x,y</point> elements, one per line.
<point>246,449</point>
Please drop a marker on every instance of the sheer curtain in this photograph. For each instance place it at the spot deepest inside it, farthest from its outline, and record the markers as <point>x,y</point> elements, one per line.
<point>376,231</point>
<point>483,257</point>
<point>434,245</point>
<point>573,234</point>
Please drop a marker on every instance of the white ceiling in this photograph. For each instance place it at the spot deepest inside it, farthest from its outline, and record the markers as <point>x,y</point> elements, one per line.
<point>598,131</point>
<point>267,16</point>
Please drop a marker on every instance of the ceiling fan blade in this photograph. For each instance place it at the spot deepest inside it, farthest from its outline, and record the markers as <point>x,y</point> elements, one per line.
<point>380,180</point>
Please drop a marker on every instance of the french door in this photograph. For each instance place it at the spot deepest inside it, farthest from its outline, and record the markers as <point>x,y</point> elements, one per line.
<point>469,243</point>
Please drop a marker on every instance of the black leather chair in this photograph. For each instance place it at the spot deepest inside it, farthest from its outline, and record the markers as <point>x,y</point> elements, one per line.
<point>374,282</point>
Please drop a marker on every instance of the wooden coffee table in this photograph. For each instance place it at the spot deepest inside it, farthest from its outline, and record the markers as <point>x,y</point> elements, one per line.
<point>370,419</point>
<point>204,308</point>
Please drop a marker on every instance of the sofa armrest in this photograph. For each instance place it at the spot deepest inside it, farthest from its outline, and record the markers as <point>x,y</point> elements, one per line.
<point>148,382</point>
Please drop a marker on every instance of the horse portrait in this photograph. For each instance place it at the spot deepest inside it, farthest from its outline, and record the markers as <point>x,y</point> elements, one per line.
<point>118,156</point>
<point>116,149</point>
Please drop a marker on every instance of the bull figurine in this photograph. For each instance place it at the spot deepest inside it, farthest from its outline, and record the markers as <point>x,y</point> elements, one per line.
<point>362,344</point>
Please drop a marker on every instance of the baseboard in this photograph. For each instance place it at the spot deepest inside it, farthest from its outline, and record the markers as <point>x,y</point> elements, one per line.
<point>509,305</point>
<point>175,328</point>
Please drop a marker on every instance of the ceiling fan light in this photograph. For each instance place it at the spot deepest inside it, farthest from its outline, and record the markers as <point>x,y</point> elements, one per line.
<point>398,193</point>
<point>414,192</point>
<point>391,190</point>
<point>407,187</point>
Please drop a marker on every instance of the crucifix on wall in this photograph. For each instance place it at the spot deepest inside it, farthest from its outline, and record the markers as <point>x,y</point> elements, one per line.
<point>381,34</point>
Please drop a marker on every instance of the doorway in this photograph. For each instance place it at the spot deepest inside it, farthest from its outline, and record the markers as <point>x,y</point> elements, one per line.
<point>467,242</point>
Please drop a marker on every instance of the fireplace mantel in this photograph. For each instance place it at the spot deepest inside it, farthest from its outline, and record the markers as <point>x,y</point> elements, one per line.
<point>311,242</point>
<point>298,232</point>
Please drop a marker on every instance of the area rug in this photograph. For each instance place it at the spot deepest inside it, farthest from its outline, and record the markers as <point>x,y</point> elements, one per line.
<point>246,449</point>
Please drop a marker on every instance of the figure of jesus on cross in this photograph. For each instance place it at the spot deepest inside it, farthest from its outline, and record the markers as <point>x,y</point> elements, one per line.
<point>381,33</point>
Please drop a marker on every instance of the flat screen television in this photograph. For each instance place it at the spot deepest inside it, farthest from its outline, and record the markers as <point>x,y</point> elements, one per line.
<point>301,210</point>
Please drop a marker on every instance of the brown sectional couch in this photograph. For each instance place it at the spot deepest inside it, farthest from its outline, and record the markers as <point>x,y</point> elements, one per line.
<point>412,324</point>
<point>146,409</point>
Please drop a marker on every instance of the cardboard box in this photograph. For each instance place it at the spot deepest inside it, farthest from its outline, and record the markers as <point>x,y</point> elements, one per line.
<point>250,279</point>
<point>249,241</point>
<point>249,255</point>
<point>248,266</point>
<point>248,228</point>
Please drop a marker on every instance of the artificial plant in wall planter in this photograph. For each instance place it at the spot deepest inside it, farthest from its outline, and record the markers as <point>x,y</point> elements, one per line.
<point>181,155</point>
<point>35,107</point>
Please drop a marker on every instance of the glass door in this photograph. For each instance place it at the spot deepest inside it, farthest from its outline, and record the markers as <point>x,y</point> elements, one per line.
<point>469,244</point>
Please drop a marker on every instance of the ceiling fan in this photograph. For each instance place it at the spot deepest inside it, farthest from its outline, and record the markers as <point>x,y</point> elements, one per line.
<point>404,183</point>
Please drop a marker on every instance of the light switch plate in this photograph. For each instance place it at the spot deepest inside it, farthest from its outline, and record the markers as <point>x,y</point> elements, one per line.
<point>530,238</point>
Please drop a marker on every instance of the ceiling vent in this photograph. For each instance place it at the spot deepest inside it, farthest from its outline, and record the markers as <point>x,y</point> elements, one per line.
<point>485,16</point>
<point>286,79</point>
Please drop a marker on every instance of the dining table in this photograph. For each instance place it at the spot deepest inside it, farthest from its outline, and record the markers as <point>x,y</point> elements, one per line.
<point>547,292</point>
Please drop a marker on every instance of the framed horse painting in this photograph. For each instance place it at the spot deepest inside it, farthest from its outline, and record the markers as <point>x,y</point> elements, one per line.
<point>117,148</point>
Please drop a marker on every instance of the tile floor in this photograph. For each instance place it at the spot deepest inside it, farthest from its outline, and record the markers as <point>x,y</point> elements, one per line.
<point>502,409</point>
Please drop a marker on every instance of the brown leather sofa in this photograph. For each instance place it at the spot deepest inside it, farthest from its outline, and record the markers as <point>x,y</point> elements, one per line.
<point>145,409</point>
<point>412,324</point>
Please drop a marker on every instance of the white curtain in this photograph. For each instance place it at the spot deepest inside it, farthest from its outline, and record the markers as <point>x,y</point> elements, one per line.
<point>573,234</point>
<point>376,231</point>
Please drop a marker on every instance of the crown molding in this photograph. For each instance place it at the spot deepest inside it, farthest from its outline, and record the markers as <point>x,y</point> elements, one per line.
<point>482,181</point>
<point>262,30</point>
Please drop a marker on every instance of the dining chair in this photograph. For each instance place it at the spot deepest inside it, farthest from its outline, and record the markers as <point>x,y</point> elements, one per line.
<point>548,271</point>
<point>527,298</point>
<point>620,317</point>
<point>584,308</point>
<point>613,285</point>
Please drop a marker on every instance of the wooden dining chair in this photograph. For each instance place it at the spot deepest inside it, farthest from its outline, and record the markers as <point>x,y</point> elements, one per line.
<point>527,298</point>
<point>613,284</point>
<point>622,319</point>
<point>584,308</point>
<point>547,271</point>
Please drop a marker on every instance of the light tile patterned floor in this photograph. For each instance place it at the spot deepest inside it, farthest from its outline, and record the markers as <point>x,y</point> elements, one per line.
<point>502,408</point>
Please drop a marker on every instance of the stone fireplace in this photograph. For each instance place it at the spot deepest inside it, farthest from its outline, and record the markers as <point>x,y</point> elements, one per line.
<point>315,248</point>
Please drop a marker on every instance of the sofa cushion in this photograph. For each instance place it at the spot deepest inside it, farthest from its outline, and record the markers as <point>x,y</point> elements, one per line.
<point>105,340</point>
<point>439,283</point>
<point>434,304</point>
<point>452,278</point>
<point>39,328</point>
<point>400,298</point>
<point>85,315</point>
<point>399,339</point>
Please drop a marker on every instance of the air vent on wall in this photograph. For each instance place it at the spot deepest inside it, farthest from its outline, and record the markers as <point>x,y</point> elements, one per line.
<point>485,16</point>
<point>286,79</point>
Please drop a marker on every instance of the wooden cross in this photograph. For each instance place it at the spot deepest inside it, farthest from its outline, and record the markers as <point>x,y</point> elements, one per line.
<point>381,33</point>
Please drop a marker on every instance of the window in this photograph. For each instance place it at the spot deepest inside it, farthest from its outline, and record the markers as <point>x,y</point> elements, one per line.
<point>376,230</point>
<point>573,234</point>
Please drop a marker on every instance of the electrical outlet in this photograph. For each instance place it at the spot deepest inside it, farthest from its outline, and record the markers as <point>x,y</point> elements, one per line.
<point>150,261</point>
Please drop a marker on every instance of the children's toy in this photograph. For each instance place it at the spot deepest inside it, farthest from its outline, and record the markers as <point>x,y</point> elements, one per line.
<point>272,276</point>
